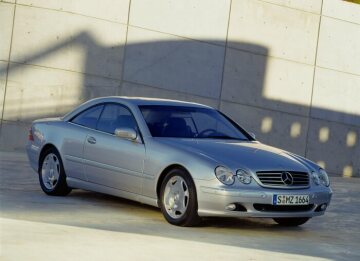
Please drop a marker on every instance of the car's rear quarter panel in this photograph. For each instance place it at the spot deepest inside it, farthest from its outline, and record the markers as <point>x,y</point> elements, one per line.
<point>62,135</point>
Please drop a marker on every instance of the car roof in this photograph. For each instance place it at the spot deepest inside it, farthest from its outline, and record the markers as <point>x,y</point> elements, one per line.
<point>150,101</point>
<point>131,102</point>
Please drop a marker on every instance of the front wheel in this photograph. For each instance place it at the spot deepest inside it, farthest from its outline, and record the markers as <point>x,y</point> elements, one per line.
<point>291,222</point>
<point>52,175</point>
<point>178,200</point>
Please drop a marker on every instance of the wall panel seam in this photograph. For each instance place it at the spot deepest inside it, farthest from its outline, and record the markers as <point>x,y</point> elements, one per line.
<point>224,59</point>
<point>7,69</point>
<point>239,103</point>
<point>228,47</point>
<point>18,64</point>
<point>220,45</point>
<point>339,19</point>
<point>289,7</point>
<point>339,71</point>
<point>313,82</point>
<point>119,89</point>
<point>176,35</point>
<point>69,12</point>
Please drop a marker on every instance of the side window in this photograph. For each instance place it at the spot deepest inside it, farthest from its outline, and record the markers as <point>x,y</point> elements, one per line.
<point>115,116</point>
<point>89,117</point>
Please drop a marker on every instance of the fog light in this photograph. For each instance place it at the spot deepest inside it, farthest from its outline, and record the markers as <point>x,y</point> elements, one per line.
<point>323,207</point>
<point>230,206</point>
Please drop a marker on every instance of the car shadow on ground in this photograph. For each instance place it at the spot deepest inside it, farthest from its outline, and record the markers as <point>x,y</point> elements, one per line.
<point>143,211</point>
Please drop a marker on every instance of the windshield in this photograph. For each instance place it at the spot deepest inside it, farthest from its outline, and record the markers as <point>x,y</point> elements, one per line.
<point>190,122</point>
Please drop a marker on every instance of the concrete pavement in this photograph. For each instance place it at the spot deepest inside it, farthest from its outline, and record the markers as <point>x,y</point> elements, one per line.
<point>92,226</point>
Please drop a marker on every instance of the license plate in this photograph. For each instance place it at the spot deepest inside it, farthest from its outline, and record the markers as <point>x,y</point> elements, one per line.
<point>291,200</point>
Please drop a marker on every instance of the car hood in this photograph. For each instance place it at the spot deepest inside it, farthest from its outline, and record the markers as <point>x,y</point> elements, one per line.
<point>240,154</point>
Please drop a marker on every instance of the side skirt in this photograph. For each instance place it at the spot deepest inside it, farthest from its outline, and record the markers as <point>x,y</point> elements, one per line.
<point>81,184</point>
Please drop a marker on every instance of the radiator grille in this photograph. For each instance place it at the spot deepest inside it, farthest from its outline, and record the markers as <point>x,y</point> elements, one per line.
<point>283,179</point>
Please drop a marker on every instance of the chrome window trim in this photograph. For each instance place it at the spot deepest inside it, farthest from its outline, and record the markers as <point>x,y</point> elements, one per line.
<point>139,138</point>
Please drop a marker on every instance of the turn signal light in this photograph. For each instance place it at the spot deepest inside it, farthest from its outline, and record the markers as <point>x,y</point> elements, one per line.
<point>30,136</point>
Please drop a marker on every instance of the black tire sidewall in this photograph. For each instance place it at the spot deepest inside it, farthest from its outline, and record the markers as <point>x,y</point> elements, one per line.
<point>190,217</point>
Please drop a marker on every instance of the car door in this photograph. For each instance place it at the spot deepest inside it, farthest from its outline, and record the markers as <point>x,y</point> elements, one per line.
<point>110,160</point>
<point>73,144</point>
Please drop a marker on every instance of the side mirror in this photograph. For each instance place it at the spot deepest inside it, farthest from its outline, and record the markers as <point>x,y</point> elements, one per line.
<point>252,135</point>
<point>126,133</point>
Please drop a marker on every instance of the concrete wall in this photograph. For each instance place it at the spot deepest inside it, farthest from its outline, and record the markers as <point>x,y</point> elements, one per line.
<point>287,70</point>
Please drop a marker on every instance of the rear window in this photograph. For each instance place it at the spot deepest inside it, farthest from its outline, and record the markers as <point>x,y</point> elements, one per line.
<point>89,117</point>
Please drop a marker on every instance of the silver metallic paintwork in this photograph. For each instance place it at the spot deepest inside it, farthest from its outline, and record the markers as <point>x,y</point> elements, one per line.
<point>131,169</point>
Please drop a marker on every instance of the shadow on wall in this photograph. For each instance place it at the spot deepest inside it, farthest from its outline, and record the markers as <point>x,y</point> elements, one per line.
<point>185,70</point>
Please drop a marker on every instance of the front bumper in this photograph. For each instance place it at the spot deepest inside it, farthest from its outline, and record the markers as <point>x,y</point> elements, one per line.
<point>256,201</point>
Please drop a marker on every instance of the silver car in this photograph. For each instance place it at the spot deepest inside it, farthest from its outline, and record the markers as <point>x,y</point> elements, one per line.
<point>189,159</point>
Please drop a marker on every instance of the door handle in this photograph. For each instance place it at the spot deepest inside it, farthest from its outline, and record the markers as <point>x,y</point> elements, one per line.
<point>91,140</point>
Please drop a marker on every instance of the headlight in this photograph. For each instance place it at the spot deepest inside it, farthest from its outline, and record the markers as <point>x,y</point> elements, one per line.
<point>224,175</point>
<point>324,179</point>
<point>321,177</point>
<point>243,176</point>
<point>316,178</point>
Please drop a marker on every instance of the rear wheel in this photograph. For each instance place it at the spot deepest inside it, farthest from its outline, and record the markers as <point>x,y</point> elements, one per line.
<point>291,222</point>
<point>178,200</point>
<point>52,175</point>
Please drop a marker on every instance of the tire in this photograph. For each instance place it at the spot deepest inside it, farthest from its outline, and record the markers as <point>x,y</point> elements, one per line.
<point>52,175</point>
<point>175,210</point>
<point>291,222</point>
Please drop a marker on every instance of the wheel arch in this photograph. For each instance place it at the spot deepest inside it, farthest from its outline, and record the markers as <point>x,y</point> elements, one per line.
<point>165,172</point>
<point>43,150</point>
